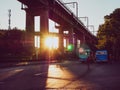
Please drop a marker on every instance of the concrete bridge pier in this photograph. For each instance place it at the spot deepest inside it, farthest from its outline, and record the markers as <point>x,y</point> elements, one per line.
<point>61,44</point>
<point>75,43</point>
<point>44,30</point>
<point>71,36</point>
<point>29,21</point>
<point>30,28</point>
<point>61,41</point>
<point>73,40</point>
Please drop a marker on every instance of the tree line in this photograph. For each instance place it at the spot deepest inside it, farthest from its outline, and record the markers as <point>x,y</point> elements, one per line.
<point>109,34</point>
<point>16,43</point>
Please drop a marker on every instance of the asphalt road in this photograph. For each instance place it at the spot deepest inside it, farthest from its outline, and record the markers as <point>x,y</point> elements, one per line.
<point>61,76</point>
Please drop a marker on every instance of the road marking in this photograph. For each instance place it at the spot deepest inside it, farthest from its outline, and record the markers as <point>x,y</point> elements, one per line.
<point>22,63</point>
<point>8,74</point>
<point>38,74</point>
<point>19,70</point>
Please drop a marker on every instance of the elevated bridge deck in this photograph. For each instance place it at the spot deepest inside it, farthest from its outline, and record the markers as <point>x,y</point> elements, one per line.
<point>58,12</point>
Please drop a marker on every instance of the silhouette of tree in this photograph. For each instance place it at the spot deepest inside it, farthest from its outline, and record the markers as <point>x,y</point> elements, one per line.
<point>109,33</point>
<point>15,43</point>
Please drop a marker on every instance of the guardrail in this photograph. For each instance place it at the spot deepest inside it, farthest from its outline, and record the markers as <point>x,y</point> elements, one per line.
<point>71,13</point>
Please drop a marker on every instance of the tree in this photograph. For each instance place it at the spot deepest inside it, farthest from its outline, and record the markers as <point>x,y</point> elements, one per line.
<point>109,33</point>
<point>16,43</point>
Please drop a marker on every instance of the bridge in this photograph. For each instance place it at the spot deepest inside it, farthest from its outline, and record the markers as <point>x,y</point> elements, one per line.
<point>60,14</point>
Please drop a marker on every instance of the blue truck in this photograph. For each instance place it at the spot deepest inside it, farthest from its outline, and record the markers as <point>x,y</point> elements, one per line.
<point>101,56</point>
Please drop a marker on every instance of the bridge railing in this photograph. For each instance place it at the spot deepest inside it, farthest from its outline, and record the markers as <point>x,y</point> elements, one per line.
<point>62,5</point>
<point>69,11</point>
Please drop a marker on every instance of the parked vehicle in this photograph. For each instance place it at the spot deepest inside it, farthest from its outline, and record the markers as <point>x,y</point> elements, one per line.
<point>101,56</point>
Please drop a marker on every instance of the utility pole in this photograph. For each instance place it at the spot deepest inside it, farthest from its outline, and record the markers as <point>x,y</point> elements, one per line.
<point>86,19</point>
<point>74,3</point>
<point>9,19</point>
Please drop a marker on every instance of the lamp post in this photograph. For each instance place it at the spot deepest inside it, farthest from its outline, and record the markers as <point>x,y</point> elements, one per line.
<point>74,3</point>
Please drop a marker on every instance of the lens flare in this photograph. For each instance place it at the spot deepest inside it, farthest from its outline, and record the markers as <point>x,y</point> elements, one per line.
<point>83,51</point>
<point>51,42</point>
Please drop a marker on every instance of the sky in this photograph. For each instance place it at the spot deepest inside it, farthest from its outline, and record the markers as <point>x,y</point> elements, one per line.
<point>95,10</point>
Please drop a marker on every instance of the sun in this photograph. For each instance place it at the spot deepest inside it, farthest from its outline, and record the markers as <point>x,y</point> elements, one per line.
<point>51,42</point>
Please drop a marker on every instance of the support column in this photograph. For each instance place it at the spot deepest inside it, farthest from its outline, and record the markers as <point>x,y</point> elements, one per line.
<point>75,43</point>
<point>29,21</point>
<point>30,27</point>
<point>44,29</point>
<point>71,37</point>
<point>71,40</point>
<point>82,39</point>
<point>61,44</point>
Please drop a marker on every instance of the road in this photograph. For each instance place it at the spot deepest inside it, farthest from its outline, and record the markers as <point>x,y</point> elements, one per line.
<point>61,76</point>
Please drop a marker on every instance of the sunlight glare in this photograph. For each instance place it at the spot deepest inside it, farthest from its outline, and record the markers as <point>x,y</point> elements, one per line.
<point>37,41</point>
<point>51,42</point>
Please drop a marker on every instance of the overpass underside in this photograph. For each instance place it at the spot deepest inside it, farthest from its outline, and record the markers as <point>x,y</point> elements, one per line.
<point>56,11</point>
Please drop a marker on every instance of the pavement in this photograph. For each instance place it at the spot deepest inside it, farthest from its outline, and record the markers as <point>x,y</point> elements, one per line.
<point>69,75</point>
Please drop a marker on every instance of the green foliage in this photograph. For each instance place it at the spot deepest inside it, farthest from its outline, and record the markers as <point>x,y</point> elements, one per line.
<point>15,42</point>
<point>109,32</point>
